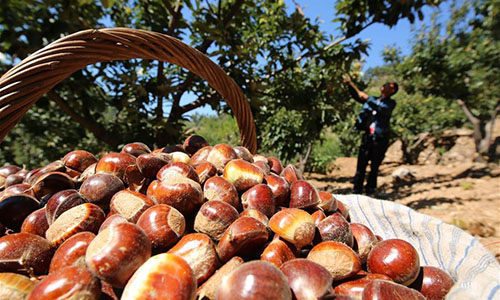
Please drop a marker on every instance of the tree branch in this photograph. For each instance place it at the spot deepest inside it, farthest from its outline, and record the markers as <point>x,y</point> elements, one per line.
<point>195,104</point>
<point>470,115</point>
<point>490,129</point>
<point>87,122</point>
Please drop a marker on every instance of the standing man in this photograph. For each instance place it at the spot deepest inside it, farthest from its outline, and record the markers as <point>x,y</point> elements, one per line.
<point>374,121</point>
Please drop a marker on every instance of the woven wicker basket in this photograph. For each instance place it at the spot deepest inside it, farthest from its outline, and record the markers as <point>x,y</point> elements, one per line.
<point>25,83</point>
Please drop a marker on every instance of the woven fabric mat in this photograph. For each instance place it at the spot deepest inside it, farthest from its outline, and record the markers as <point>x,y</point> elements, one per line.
<point>474,269</point>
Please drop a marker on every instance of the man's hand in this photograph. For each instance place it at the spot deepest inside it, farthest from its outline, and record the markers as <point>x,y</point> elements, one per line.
<point>347,78</point>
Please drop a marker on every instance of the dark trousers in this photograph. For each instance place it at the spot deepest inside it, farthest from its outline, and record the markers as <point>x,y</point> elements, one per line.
<point>371,149</point>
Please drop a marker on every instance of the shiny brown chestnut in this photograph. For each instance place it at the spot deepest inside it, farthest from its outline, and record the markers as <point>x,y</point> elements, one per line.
<point>16,189</point>
<point>209,287</point>
<point>36,223</point>
<point>150,163</point>
<point>275,163</point>
<point>173,148</point>
<point>307,279</point>
<point>303,195</point>
<point>243,153</point>
<point>291,174</point>
<point>112,220</point>
<point>71,252</point>
<point>115,164</point>
<point>198,250</point>
<point>258,215</point>
<point>13,179</point>
<point>318,216</point>
<point>336,228</point>
<point>25,253</point>
<point>277,252</point>
<point>280,188</point>
<point>181,193</point>
<point>84,217</point>
<point>15,286</point>
<point>177,169</point>
<point>242,238</point>
<point>89,171</point>
<point>364,240</point>
<point>242,174</point>
<point>129,204</point>
<point>194,143</point>
<point>214,217</point>
<point>218,188</point>
<point>343,210</point>
<point>328,202</point>
<point>355,287</point>
<point>163,225</point>
<point>117,252</point>
<point>293,225</point>
<point>395,258</point>
<point>5,171</point>
<point>220,155</point>
<point>100,188</point>
<point>79,160</point>
<point>381,289</point>
<point>135,149</point>
<point>259,197</point>
<point>205,170</point>
<point>256,280</point>
<point>433,283</point>
<point>163,276</point>
<point>61,202</point>
<point>50,183</point>
<point>15,208</point>
<point>66,284</point>
<point>264,167</point>
<point>340,260</point>
<point>180,157</point>
<point>200,156</point>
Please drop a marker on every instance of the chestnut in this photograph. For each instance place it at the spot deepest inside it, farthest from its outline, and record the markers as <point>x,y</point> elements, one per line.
<point>79,160</point>
<point>280,188</point>
<point>340,260</point>
<point>209,287</point>
<point>275,163</point>
<point>303,195</point>
<point>115,164</point>
<point>112,220</point>
<point>99,189</point>
<point>220,155</point>
<point>258,215</point>
<point>50,183</point>
<point>395,258</point>
<point>336,228</point>
<point>134,179</point>
<point>61,202</point>
<point>264,167</point>
<point>15,208</point>
<point>194,143</point>
<point>307,279</point>
<point>71,252</point>
<point>180,157</point>
<point>205,170</point>
<point>89,171</point>
<point>177,169</point>
<point>150,163</point>
<point>243,153</point>
<point>9,170</point>
<point>343,210</point>
<point>68,283</point>
<point>16,189</point>
<point>198,250</point>
<point>293,225</point>
<point>181,193</point>
<point>241,238</point>
<point>242,174</point>
<point>218,188</point>
<point>84,217</point>
<point>163,276</point>
<point>13,179</point>
<point>291,174</point>
<point>117,252</point>
<point>381,289</point>
<point>25,253</point>
<point>214,217</point>
<point>200,156</point>
<point>433,283</point>
<point>129,204</point>
<point>163,225</point>
<point>135,149</point>
<point>318,216</point>
<point>328,203</point>
<point>277,252</point>
<point>364,240</point>
<point>15,286</point>
<point>173,148</point>
<point>36,223</point>
<point>256,280</point>
<point>259,197</point>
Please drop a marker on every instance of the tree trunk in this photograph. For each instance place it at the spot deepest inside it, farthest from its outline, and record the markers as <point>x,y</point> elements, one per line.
<point>303,159</point>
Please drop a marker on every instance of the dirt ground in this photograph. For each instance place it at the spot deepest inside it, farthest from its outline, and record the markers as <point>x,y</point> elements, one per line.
<point>466,195</point>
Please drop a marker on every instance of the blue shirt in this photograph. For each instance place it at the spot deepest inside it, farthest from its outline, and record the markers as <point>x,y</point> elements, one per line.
<point>380,110</point>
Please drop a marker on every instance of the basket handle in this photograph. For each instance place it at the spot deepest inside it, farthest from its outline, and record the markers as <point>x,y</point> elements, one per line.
<point>37,74</point>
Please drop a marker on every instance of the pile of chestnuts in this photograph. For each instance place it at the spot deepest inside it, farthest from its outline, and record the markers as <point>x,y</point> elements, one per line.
<point>192,221</point>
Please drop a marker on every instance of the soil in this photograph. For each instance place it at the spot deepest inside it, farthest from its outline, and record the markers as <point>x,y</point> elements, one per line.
<point>465,194</point>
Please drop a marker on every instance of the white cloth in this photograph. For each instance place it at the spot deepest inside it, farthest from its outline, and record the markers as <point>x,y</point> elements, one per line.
<point>474,268</point>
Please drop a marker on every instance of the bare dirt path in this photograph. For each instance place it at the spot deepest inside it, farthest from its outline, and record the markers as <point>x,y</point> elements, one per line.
<point>463,194</point>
